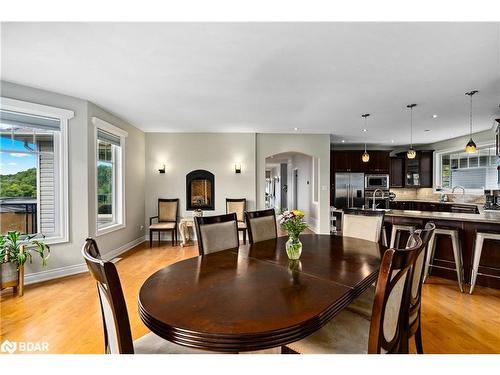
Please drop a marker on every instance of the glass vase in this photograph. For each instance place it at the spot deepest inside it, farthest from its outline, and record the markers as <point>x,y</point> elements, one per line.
<point>293,247</point>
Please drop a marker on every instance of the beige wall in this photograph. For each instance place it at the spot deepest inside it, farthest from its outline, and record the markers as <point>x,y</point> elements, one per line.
<point>185,152</point>
<point>134,182</point>
<point>316,145</point>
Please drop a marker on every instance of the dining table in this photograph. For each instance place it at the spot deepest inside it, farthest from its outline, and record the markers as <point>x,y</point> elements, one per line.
<point>253,297</point>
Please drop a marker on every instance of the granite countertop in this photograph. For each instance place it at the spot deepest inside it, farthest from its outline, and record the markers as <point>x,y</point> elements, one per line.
<point>437,201</point>
<point>482,217</point>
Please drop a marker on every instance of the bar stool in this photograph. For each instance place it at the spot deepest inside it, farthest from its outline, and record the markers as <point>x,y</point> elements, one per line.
<point>396,233</point>
<point>383,235</point>
<point>457,254</point>
<point>478,248</point>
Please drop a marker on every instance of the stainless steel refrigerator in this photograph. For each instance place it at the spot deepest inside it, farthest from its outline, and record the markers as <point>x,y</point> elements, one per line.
<point>349,190</point>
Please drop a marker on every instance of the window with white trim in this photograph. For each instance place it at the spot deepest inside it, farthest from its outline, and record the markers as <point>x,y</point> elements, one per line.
<point>110,198</point>
<point>475,172</point>
<point>33,169</point>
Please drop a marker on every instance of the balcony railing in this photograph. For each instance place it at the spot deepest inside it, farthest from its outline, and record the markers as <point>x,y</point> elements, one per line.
<point>18,214</point>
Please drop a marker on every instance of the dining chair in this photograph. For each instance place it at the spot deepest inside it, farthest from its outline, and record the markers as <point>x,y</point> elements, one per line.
<point>261,225</point>
<point>385,331</point>
<point>417,277</point>
<point>238,206</point>
<point>168,212</point>
<point>216,233</point>
<point>363,224</point>
<point>117,333</point>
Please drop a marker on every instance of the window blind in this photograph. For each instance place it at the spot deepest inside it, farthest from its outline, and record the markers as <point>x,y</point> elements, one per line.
<point>108,137</point>
<point>23,120</point>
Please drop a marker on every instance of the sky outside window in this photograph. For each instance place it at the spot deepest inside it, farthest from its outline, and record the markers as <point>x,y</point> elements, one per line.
<point>14,157</point>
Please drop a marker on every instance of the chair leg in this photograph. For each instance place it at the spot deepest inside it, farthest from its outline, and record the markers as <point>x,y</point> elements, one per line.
<point>457,255</point>
<point>393,237</point>
<point>245,237</point>
<point>478,248</point>
<point>150,238</point>
<point>159,238</point>
<point>418,339</point>
<point>172,237</point>
<point>431,247</point>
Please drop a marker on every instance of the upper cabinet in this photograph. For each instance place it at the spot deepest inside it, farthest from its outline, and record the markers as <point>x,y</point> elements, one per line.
<point>403,172</point>
<point>350,161</point>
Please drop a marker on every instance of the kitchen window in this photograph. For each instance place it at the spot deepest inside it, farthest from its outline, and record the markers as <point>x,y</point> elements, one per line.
<point>475,172</point>
<point>110,189</point>
<point>34,169</point>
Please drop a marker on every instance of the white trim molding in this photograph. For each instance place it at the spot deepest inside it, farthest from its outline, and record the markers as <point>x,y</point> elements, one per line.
<point>37,277</point>
<point>120,170</point>
<point>60,154</point>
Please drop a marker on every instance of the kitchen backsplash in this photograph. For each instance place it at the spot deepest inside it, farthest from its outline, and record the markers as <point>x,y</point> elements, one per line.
<point>429,195</point>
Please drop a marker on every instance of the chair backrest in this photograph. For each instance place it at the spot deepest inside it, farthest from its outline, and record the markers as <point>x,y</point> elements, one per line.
<point>168,210</point>
<point>117,335</point>
<point>390,307</point>
<point>216,233</point>
<point>363,224</point>
<point>238,206</point>
<point>261,225</point>
<point>417,269</point>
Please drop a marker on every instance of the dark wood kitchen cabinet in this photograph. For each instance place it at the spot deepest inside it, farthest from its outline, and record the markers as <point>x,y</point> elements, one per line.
<point>396,172</point>
<point>350,161</point>
<point>418,171</point>
<point>426,164</point>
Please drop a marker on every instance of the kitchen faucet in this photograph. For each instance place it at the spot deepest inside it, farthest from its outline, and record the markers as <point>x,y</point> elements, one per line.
<point>459,187</point>
<point>374,207</point>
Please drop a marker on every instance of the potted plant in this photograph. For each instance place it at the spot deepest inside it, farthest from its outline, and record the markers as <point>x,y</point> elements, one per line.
<point>293,223</point>
<point>15,250</point>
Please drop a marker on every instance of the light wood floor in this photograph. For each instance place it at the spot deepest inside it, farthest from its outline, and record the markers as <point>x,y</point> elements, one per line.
<point>66,314</point>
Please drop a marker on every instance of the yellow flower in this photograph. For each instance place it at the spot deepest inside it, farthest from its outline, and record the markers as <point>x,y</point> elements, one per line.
<point>298,213</point>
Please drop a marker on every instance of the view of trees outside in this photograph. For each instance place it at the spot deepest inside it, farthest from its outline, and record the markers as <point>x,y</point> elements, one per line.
<point>17,169</point>
<point>105,183</point>
<point>20,184</point>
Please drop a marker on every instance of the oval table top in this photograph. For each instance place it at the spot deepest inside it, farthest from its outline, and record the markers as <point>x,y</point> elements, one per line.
<point>253,297</point>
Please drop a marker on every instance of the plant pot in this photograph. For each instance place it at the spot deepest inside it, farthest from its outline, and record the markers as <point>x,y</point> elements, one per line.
<point>9,275</point>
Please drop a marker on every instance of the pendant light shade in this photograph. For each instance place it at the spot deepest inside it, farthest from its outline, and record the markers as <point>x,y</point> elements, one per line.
<point>411,153</point>
<point>470,147</point>
<point>365,157</point>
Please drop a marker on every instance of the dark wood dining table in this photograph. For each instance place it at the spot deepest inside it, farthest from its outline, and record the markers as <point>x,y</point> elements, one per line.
<point>253,297</point>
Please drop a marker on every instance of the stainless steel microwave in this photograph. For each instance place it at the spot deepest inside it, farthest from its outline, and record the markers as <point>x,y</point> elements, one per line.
<point>377,181</point>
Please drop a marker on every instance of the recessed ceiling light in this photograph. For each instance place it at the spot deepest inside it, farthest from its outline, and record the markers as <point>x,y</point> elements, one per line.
<point>434,116</point>
<point>392,140</point>
<point>343,141</point>
<point>427,130</point>
<point>296,129</point>
<point>365,130</point>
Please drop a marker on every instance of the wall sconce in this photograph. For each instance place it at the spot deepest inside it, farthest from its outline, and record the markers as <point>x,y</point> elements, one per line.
<point>162,169</point>
<point>237,168</point>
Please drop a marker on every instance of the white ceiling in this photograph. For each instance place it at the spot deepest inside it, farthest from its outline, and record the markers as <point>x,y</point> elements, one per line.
<point>269,77</point>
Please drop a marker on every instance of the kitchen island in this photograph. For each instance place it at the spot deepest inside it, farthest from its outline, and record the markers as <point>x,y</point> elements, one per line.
<point>467,225</point>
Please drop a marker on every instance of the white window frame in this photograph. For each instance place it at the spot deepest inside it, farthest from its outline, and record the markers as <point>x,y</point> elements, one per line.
<point>60,160</point>
<point>437,169</point>
<point>118,176</point>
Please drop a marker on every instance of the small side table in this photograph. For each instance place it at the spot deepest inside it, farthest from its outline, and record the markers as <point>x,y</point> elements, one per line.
<point>186,227</point>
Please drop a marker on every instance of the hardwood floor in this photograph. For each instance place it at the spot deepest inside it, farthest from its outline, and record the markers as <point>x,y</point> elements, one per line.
<point>65,312</point>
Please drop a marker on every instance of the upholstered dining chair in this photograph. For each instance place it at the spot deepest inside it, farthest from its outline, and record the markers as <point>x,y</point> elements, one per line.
<point>168,212</point>
<point>238,206</point>
<point>117,333</point>
<point>216,233</point>
<point>417,278</point>
<point>385,331</point>
<point>363,224</point>
<point>261,225</point>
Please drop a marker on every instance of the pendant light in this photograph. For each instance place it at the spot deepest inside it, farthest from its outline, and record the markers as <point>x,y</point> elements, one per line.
<point>410,154</point>
<point>365,157</point>
<point>470,148</point>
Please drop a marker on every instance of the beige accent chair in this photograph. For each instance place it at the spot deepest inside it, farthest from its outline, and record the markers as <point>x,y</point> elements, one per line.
<point>168,213</point>
<point>363,224</point>
<point>261,225</point>
<point>216,233</point>
<point>238,206</point>
<point>386,331</point>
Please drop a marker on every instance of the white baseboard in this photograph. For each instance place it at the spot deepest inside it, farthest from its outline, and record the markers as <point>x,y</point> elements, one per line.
<point>56,273</point>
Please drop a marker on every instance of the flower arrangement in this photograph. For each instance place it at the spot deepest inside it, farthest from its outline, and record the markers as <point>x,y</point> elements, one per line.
<point>293,223</point>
